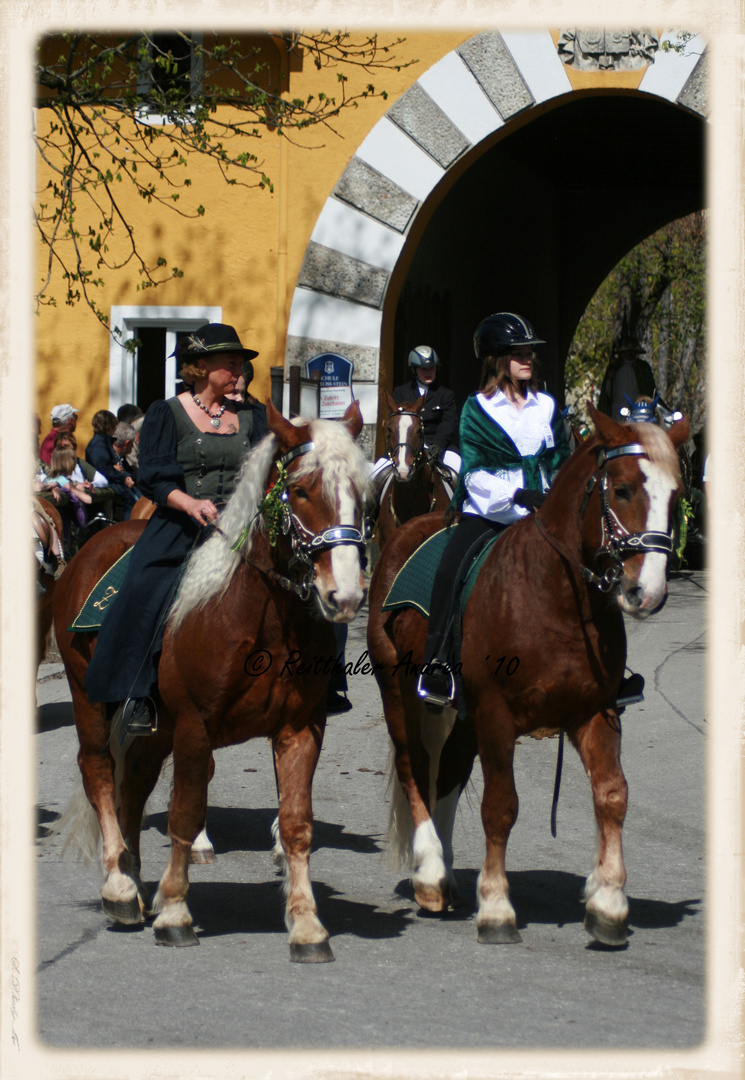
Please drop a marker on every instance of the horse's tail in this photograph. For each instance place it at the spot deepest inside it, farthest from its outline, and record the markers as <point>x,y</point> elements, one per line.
<point>400,833</point>
<point>79,821</point>
<point>435,728</point>
<point>79,825</point>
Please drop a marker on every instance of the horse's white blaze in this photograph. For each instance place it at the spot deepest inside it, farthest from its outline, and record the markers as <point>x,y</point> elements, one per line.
<point>400,460</point>
<point>344,581</point>
<point>652,580</point>
<point>429,864</point>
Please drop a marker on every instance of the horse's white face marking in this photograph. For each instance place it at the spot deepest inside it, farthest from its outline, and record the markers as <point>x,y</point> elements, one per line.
<point>647,593</point>
<point>341,592</point>
<point>405,424</point>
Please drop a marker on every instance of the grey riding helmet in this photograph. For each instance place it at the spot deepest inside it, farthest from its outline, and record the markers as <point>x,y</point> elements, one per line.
<point>502,331</point>
<point>423,356</point>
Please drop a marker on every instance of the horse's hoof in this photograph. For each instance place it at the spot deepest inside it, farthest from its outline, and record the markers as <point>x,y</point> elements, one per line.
<point>498,934</point>
<point>605,931</point>
<point>203,856</point>
<point>431,898</point>
<point>176,936</point>
<point>126,912</point>
<point>316,952</point>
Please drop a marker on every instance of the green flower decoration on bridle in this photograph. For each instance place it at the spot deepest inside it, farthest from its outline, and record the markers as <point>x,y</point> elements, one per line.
<point>273,508</point>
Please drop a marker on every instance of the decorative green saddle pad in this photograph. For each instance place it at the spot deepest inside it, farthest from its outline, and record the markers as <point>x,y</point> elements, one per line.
<point>101,597</point>
<point>412,586</point>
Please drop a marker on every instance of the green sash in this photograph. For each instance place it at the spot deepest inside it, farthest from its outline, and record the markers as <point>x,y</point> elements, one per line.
<point>484,444</point>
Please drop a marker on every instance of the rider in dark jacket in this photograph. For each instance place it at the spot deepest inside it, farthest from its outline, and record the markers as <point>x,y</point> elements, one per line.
<point>439,413</point>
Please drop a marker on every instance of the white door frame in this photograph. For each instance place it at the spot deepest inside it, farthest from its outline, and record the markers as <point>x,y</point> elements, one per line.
<point>122,363</point>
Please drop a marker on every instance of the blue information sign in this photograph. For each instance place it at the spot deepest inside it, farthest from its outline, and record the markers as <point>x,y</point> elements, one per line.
<point>336,383</point>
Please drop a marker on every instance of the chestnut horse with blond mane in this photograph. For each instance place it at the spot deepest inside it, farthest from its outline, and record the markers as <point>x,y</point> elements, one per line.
<point>241,612</point>
<point>552,593</point>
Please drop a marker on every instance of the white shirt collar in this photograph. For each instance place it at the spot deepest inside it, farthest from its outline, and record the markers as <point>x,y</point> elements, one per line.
<point>500,398</point>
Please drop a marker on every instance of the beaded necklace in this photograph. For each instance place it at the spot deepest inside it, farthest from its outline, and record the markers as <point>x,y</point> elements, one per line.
<point>214,419</point>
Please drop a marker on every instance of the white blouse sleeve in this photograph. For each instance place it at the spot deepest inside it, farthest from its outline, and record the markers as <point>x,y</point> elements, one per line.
<point>99,480</point>
<point>491,496</point>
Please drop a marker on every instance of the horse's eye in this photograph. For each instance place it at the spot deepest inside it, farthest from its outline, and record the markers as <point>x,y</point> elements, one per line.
<point>300,492</point>
<point>623,492</point>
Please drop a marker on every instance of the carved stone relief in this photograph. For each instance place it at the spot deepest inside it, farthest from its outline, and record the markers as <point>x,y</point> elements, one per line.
<point>607,50</point>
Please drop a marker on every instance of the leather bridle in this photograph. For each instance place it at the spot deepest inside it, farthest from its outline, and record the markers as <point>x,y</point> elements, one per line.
<point>616,540</point>
<point>307,545</point>
<point>392,450</point>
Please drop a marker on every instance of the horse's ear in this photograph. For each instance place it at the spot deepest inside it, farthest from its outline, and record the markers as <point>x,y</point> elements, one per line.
<point>416,406</point>
<point>288,434</point>
<point>352,419</point>
<point>610,432</point>
<point>390,401</point>
<point>679,432</point>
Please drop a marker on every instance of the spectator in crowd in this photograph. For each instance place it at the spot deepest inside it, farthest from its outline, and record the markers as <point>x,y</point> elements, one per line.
<point>239,394</point>
<point>63,475</point>
<point>124,441</point>
<point>64,418</point>
<point>128,413</point>
<point>101,454</point>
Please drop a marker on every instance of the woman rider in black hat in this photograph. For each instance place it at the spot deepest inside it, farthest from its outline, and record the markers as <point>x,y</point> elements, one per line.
<point>191,447</point>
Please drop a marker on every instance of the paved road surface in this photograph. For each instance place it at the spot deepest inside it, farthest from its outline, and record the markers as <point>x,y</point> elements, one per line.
<point>400,979</point>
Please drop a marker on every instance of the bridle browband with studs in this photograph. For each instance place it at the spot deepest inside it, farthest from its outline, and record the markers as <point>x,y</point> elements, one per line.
<point>617,542</point>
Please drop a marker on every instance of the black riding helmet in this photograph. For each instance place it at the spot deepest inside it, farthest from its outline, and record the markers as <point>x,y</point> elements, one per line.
<point>501,331</point>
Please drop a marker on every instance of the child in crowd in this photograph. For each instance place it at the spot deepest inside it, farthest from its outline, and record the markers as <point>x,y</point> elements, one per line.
<point>61,473</point>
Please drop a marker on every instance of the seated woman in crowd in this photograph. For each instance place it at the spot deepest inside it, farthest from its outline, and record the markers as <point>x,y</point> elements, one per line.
<point>101,454</point>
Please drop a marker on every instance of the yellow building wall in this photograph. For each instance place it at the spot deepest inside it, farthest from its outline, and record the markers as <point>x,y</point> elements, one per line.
<point>244,254</point>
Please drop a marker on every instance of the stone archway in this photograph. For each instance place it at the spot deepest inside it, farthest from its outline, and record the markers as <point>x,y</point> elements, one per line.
<point>468,104</point>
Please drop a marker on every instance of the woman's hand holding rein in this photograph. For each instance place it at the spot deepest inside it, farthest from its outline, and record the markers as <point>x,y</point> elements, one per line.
<point>203,511</point>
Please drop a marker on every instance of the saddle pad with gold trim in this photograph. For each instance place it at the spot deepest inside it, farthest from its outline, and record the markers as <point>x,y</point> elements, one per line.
<point>412,586</point>
<point>101,597</point>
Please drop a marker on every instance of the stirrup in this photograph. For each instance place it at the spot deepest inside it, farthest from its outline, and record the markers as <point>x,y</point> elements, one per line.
<point>139,716</point>
<point>436,685</point>
<point>630,691</point>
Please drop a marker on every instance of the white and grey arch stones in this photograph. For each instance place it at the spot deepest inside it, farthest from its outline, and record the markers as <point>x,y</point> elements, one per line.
<point>461,100</point>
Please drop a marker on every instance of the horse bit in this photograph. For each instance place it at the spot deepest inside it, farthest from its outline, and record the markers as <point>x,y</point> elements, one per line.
<point>616,541</point>
<point>305,544</point>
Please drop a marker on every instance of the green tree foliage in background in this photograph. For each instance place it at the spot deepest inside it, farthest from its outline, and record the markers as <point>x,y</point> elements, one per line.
<point>137,112</point>
<point>658,291</point>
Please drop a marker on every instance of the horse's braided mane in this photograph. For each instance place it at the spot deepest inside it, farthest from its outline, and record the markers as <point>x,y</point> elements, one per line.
<point>211,566</point>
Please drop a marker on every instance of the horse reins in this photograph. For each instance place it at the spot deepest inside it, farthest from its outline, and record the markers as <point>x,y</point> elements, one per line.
<point>616,541</point>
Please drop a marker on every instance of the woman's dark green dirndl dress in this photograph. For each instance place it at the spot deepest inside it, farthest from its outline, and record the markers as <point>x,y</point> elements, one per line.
<point>173,454</point>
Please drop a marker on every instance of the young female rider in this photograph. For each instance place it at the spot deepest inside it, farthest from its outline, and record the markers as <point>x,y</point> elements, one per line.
<point>512,443</point>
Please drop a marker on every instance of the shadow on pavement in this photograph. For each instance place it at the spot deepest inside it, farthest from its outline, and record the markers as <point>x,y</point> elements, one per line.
<point>55,714</point>
<point>224,908</point>
<point>555,897</point>
<point>241,829</point>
